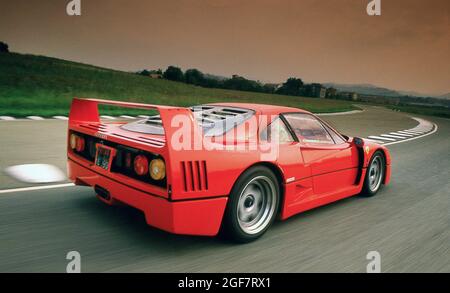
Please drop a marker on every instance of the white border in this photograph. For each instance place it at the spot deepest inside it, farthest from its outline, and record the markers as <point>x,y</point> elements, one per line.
<point>36,188</point>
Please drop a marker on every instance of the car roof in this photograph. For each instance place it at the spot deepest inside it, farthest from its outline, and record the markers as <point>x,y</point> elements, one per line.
<point>261,108</point>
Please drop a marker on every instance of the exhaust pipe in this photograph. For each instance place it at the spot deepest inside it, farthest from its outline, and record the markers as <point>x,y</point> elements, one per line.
<point>103,193</point>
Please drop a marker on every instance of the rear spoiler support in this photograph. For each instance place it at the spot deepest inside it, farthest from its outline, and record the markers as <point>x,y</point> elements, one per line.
<point>86,111</point>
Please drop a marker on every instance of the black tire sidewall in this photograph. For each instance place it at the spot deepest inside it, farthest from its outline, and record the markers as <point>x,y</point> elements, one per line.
<point>366,188</point>
<point>231,227</point>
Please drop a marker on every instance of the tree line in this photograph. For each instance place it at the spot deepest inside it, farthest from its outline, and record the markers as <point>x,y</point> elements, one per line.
<point>4,48</point>
<point>292,86</point>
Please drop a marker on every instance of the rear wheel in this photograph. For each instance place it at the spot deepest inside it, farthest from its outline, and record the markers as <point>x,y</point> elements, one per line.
<point>252,205</point>
<point>374,175</point>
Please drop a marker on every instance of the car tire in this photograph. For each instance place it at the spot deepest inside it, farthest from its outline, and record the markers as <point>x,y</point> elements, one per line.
<point>252,205</point>
<point>376,171</point>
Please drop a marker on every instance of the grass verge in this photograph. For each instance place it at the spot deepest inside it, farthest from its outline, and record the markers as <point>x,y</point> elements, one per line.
<point>38,85</point>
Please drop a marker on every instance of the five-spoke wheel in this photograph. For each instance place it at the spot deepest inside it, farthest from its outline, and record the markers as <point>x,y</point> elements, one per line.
<point>374,174</point>
<point>256,204</point>
<point>252,205</point>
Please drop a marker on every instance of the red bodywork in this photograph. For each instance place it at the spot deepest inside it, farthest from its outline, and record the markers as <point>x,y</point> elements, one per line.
<point>199,181</point>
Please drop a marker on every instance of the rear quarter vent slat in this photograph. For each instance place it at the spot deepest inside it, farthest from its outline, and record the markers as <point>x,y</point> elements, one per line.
<point>194,175</point>
<point>205,175</point>
<point>199,177</point>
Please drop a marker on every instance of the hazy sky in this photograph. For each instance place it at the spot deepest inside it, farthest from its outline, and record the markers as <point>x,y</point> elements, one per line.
<point>406,48</point>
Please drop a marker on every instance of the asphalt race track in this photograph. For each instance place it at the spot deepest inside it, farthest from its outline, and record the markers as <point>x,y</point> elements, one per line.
<point>408,222</point>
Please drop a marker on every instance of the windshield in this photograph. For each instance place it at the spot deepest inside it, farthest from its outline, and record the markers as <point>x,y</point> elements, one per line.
<point>214,120</point>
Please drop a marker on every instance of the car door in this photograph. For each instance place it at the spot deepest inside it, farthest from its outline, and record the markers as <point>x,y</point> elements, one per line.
<point>332,160</point>
<point>284,147</point>
<point>298,186</point>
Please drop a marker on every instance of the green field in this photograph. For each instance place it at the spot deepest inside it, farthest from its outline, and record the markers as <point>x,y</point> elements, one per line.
<point>423,110</point>
<point>37,85</point>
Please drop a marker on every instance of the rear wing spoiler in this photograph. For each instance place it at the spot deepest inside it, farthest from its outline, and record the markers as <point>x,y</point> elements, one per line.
<point>173,118</point>
<point>86,110</point>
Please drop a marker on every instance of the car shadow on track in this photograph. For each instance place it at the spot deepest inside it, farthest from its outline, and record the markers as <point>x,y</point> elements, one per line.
<point>127,224</point>
<point>130,223</point>
<point>349,202</point>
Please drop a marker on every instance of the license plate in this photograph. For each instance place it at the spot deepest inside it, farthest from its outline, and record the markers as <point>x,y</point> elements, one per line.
<point>103,157</point>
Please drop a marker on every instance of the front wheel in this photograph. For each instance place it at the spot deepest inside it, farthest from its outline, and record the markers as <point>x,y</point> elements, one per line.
<point>252,205</point>
<point>374,175</point>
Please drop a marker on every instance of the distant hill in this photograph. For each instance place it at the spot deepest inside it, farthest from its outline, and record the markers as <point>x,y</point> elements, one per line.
<point>216,77</point>
<point>369,89</point>
<point>364,89</point>
<point>446,96</point>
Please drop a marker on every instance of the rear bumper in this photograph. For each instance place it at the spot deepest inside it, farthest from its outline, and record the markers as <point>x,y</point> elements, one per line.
<point>189,217</point>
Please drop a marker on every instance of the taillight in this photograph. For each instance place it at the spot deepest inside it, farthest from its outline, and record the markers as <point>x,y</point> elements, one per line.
<point>80,144</point>
<point>73,141</point>
<point>141,165</point>
<point>77,142</point>
<point>157,169</point>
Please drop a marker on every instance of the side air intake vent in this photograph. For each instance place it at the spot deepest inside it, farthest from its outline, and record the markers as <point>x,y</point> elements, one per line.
<point>195,175</point>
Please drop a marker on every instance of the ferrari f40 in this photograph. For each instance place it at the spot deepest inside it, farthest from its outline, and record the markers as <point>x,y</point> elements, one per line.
<point>228,167</point>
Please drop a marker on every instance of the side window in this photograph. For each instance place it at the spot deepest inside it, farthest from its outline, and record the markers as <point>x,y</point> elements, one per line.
<point>308,129</point>
<point>337,139</point>
<point>276,130</point>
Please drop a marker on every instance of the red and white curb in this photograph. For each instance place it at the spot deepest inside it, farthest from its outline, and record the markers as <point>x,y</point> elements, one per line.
<point>7,118</point>
<point>35,118</point>
<point>424,128</point>
<point>58,117</point>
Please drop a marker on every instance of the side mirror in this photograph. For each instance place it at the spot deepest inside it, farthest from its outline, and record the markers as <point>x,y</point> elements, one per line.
<point>359,142</point>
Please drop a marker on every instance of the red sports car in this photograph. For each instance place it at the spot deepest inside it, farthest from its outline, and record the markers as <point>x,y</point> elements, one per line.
<point>229,167</point>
